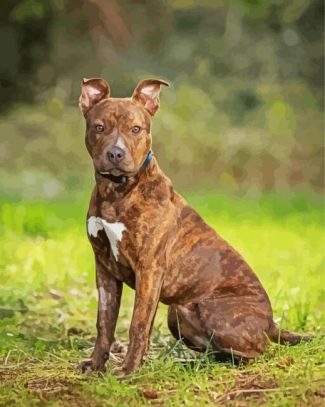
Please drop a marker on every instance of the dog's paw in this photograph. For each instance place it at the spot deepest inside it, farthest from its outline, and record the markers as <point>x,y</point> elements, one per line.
<point>89,366</point>
<point>119,371</point>
<point>118,347</point>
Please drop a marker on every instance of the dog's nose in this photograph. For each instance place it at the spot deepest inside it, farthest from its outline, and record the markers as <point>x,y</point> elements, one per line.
<point>115,154</point>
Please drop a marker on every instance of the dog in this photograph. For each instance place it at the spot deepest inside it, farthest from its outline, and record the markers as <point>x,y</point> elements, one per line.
<point>144,234</point>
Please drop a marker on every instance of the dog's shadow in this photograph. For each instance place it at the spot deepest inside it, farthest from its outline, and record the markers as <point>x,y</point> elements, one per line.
<point>191,360</point>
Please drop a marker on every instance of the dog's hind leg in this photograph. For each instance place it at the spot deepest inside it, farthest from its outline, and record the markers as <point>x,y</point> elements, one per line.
<point>184,325</point>
<point>236,326</point>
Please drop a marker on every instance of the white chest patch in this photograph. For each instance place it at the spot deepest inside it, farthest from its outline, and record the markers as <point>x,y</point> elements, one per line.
<point>114,231</point>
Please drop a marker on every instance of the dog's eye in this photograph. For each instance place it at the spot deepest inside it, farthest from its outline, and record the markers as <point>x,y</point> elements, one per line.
<point>136,129</point>
<point>99,128</point>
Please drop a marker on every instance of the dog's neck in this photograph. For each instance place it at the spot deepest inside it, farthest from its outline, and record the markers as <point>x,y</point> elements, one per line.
<point>111,191</point>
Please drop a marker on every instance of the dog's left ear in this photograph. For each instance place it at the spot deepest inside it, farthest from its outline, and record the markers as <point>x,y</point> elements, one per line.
<point>147,93</point>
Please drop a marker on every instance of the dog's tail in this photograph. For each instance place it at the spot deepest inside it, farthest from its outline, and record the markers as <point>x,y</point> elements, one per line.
<point>283,336</point>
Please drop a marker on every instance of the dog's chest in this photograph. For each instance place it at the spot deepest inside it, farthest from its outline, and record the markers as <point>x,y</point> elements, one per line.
<point>114,232</point>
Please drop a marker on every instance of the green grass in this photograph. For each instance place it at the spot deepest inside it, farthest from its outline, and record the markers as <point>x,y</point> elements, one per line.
<point>48,310</point>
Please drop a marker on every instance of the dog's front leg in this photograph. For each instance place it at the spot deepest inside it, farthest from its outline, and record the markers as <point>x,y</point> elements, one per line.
<point>109,298</point>
<point>148,286</point>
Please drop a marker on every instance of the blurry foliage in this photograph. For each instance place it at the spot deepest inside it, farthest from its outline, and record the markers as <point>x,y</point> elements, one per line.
<point>245,108</point>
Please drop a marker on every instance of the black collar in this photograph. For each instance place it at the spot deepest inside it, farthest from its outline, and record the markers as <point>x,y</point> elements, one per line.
<point>123,179</point>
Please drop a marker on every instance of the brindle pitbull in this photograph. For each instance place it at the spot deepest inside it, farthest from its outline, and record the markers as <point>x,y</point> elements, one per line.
<point>145,235</point>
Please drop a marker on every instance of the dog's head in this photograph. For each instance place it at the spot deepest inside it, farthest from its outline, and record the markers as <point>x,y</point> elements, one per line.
<point>118,129</point>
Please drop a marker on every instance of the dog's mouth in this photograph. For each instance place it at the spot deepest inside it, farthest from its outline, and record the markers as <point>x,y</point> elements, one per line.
<point>116,172</point>
<point>116,175</point>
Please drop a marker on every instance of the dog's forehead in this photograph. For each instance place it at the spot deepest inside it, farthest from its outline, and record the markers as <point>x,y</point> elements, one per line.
<point>118,109</point>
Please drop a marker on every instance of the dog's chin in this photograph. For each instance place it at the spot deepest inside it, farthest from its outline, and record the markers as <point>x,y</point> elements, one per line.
<point>114,171</point>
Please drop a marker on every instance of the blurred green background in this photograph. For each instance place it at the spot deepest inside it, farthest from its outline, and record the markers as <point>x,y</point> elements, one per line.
<point>244,113</point>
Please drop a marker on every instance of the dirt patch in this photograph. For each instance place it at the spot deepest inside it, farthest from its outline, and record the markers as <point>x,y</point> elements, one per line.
<point>248,387</point>
<point>254,388</point>
<point>47,384</point>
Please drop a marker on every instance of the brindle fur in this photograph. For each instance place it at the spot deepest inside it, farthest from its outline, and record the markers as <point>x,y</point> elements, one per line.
<point>167,253</point>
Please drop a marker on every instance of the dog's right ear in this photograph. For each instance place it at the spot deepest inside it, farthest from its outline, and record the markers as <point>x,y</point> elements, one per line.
<point>92,91</point>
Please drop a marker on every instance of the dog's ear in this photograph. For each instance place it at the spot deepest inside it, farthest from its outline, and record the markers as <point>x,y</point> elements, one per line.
<point>147,93</point>
<point>92,91</point>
